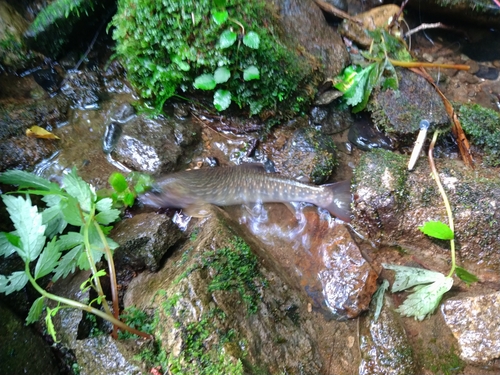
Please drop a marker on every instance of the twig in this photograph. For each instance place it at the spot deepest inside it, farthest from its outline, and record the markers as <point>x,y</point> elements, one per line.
<point>426,26</point>
<point>336,12</point>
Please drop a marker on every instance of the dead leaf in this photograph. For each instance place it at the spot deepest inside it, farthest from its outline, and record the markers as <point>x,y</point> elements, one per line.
<point>39,132</point>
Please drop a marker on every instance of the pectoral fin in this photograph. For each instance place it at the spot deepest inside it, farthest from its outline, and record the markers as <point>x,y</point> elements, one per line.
<point>199,210</point>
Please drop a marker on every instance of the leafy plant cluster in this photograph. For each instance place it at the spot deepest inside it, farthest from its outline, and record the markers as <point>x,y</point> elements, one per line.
<point>39,241</point>
<point>174,46</point>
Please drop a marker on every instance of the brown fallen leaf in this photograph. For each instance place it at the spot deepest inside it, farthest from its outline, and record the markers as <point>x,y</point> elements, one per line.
<point>39,132</point>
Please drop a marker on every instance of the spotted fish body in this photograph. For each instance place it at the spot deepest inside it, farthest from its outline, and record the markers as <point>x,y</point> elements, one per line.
<point>244,184</point>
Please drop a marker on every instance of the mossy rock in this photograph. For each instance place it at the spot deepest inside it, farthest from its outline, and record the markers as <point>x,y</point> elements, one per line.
<point>166,45</point>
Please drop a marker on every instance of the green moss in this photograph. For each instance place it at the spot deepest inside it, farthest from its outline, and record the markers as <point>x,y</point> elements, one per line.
<point>440,361</point>
<point>165,45</point>
<point>483,125</point>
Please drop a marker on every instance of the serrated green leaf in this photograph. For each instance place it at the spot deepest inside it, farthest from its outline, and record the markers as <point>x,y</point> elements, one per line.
<point>14,282</point>
<point>344,81</point>
<point>222,99</point>
<point>437,229</point>
<point>251,40</point>
<point>54,221</point>
<point>106,214</point>
<point>371,82</point>
<point>28,223</point>
<point>71,212</point>
<point>48,259</point>
<point>78,189</point>
<point>378,298</point>
<point>6,246</point>
<point>251,73</point>
<point>35,310</point>
<point>465,275</point>
<point>67,263</point>
<point>49,324</point>
<point>69,241</point>
<point>28,180</point>
<point>205,82</point>
<point>222,74</point>
<point>118,182</point>
<point>406,277</point>
<point>425,298</point>
<point>360,88</point>
<point>83,262</point>
<point>227,39</point>
<point>219,16</point>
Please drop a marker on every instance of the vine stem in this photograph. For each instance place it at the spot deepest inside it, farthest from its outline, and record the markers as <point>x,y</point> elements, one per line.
<point>435,175</point>
<point>83,307</point>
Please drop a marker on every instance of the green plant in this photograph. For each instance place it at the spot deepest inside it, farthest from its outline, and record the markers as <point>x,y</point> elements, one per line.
<point>35,240</point>
<point>170,47</point>
<point>429,286</point>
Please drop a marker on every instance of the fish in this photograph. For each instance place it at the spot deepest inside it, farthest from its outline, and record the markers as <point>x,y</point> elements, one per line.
<point>243,184</point>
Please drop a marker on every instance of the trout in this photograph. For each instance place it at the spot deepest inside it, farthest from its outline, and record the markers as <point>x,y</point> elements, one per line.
<point>227,186</point>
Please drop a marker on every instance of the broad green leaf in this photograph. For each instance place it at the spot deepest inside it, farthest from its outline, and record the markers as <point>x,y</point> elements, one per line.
<point>71,212</point>
<point>437,229</point>
<point>378,298</point>
<point>14,282</point>
<point>219,16</point>
<point>49,324</point>
<point>252,40</point>
<point>106,214</point>
<point>96,245</point>
<point>425,298</point>
<point>356,92</point>
<point>67,263</point>
<point>54,221</point>
<point>346,79</point>
<point>222,74</point>
<point>205,82</point>
<point>28,180</point>
<point>251,73</point>
<point>6,246</point>
<point>78,189</point>
<point>83,262</point>
<point>371,82</point>
<point>227,39</point>
<point>465,275</point>
<point>69,241</point>
<point>35,310</point>
<point>222,99</point>
<point>118,182</point>
<point>183,65</point>
<point>129,199</point>
<point>48,259</point>
<point>28,223</point>
<point>406,277</point>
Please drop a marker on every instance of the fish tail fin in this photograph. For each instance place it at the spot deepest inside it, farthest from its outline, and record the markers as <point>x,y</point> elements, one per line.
<point>340,205</point>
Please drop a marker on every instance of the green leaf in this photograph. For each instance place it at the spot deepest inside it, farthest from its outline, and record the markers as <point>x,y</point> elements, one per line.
<point>69,241</point>
<point>356,93</point>
<point>222,74</point>
<point>106,213</point>
<point>250,73</point>
<point>252,40</point>
<point>54,221</point>
<point>118,182</point>
<point>205,82</point>
<point>378,298</point>
<point>406,277</point>
<point>14,282</point>
<point>227,39</point>
<point>48,322</point>
<point>71,212</point>
<point>222,99</point>
<point>67,263</point>
<point>437,229</point>
<point>28,180</point>
<point>48,259</point>
<point>28,223</point>
<point>465,275</point>
<point>183,65</point>
<point>6,246</point>
<point>371,82</point>
<point>78,189</point>
<point>219,16</point>
<point>425,298</point>
<point>220,3</point>
<point>344,81</point>
<point>128,199</point>
<point>35,310</point>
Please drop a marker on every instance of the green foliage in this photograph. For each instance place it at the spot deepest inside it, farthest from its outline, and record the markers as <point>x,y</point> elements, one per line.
<point>357,82</point>
<point>138,319</point>
<point>125,189</point>
<point>36,240</point>
<point>378,299</point>
<point>437,229</point>
<point>483,125</point>
<point>59,9</point>
<point>465,275</point>
<point>229,46</point>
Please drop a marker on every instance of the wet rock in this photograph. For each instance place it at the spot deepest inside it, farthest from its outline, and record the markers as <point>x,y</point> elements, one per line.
<point>12,27</point>
<point>330,120</point>
<point>23,351</point>
<point>144,239</point>
<point>155,145</point>
<point>214,300</point>
<point>365,136</point>
<point>305,21</point>
<point>308,155</point>
<point>401,111</point>
<point>82,88</point>
<point>114,79</point>
<point>327,97</point>
<point>392,203</point>
<point>48,79</point>
<point>475,322</point>
<point>384,345</point>
<point>102,355</point>
<point>315,256</point>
